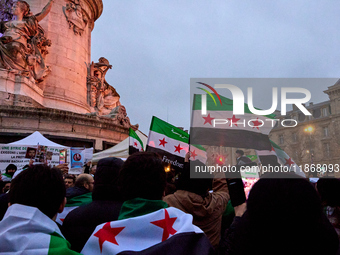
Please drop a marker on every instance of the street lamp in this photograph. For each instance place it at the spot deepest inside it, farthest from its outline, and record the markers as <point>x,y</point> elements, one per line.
<point>310,130</point>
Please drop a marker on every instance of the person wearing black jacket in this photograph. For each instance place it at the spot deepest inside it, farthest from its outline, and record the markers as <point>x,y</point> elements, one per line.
<point>82,221</point>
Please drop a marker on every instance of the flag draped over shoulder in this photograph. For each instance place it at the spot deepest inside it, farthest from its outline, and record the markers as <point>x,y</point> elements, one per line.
<point>26,230</point>
<point>135,143</point>
<point>165,231</point>
<point>72,204</point>
<point>220,127</point>
<point>278,156</point>
<point>169,141</point>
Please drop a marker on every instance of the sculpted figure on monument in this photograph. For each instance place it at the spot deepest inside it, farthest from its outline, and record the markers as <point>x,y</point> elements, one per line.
<point>120,116</point>
<point>23,44</point>
<point>102,97</point>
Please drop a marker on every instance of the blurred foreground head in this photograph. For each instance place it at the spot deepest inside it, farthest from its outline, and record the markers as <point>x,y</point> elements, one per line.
<point>106,179</point>
<point>143,176</point>
<point>284,216</point>
<point>39,186</point>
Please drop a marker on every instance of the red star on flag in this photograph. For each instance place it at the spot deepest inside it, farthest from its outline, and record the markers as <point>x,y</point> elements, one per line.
<point>233,120</point>
<point>107,234</point>
<point>289,162</point>
<point>257,124</point>
<point>193,154</point>
<point>207,119</point>
<point>166,224</point>
<point>62,220</point>
<point>178,148</point>
<point>135,144</point>
<point>162,142</point>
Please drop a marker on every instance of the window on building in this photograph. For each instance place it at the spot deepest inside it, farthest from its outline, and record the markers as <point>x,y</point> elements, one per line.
<point>325,131</point>
<point>295,138</point>
<point>327,150</point>
<point>281,140</point>
<point>325,112</point>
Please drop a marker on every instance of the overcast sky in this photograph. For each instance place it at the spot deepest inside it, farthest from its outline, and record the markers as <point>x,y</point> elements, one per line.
<point>156,46</point>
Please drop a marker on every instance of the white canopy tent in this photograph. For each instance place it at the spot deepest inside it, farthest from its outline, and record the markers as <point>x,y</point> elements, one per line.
<point>37,138</point>
<point>120,150</point>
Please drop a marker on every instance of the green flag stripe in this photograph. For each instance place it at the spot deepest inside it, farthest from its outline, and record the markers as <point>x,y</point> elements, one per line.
<point>79,200</point>
<point>162,127</point>
<point>275,145</point>
<point>227,105</point>
<point>133,134</point>
<point>59,246</point>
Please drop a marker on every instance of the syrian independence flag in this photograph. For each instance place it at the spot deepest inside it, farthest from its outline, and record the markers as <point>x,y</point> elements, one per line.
<point>198,153</point>
<point>277,155</point>
<point>166,231</point>
<point>26,230</point>
<point>72,204</point>
<point>220,127</point>
<point>169,141</point>
<point>5,178</point>
<point>135,143</point>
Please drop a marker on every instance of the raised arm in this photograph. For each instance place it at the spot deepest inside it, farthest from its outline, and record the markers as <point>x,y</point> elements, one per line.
<point>40,16</point>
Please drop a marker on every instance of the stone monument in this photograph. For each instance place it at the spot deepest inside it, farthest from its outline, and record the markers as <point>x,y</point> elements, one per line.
<point>45,64</point>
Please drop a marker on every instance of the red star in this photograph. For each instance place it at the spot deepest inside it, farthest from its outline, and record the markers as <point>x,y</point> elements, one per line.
<point>233,120</point>
<point>289,162</point>
<point>162,142</point>
<point>178,148</point>
<point>135,144</point>
<point>207,119</point>
<point>62,220</point>
<point>107,234</point>
<point>166,224</point>
<point>257,124</point>
<point>193,154</point>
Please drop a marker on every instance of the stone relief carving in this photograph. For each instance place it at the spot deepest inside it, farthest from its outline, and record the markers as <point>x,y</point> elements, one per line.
<point>75,16</point>
<point>102,97</point>
<point>23,44</point>
<point>120,117</point>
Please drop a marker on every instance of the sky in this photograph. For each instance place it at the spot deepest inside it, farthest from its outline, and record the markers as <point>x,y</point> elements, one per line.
<point>157,46</point>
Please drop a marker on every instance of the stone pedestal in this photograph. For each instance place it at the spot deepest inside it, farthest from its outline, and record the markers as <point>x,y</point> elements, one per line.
<point>65,87</point>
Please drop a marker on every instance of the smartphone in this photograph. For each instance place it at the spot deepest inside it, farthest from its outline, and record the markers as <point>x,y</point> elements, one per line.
<point>62,156</point>
<point>236,191</point>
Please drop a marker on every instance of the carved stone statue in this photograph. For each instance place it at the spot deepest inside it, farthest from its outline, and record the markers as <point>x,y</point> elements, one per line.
<point>120,116</point>
<point>102,97</point>
<point>23,44</point>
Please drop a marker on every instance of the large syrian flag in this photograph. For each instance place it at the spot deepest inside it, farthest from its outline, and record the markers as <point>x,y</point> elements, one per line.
<point>220,127</point>
<point>169,141</point>
<point>135,143</point>
<point>72,204</point>
<point>277,155</point>
<point>166,231</point>
<point>26,230</point>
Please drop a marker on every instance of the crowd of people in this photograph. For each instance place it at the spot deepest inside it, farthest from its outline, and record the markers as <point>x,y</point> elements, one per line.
<point>135,207</point>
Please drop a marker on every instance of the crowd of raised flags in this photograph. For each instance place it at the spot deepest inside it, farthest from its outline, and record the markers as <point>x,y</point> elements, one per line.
<point>218,127</point>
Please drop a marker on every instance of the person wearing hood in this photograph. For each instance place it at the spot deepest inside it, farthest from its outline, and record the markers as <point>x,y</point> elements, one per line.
<point>105,206</point>
<point>193,196</point>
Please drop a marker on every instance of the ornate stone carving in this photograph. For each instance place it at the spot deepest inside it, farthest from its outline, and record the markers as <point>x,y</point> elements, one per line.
<point>23,44</point>
<point>102,97</point>
<point>120,117</point>
<point>75,16</point>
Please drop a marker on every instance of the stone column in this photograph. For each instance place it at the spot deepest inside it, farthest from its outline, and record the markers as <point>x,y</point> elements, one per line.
<point>68,26</point>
